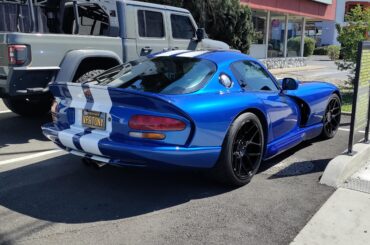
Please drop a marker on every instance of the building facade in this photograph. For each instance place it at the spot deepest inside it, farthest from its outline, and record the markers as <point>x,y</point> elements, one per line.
<point>277,23</point>
<point>330,34</point>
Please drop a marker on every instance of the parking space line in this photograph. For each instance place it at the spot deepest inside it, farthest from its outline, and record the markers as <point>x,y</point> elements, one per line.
<point>40,154</point>
<point>347,130</point>
<point>7,111</point>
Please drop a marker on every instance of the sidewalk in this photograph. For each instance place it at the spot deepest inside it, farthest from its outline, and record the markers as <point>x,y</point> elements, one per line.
<point>319,68</point>
<point>344,218</point>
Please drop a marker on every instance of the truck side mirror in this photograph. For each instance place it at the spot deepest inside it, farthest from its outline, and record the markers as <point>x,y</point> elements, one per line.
<point>201,33</point>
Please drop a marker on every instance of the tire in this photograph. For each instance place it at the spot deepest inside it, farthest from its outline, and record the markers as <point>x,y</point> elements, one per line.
<point>87,75</point>
<point>242,151</point>
<point>29,107</point>
<point>331,120</point>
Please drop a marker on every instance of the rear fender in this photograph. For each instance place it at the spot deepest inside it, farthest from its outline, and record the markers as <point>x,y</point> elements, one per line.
<point>73,59</point>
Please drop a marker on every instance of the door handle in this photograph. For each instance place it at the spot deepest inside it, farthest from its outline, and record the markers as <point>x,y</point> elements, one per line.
<point>146,50</point>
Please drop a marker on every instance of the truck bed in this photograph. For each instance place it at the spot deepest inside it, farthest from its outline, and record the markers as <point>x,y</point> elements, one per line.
<point>47,52</point>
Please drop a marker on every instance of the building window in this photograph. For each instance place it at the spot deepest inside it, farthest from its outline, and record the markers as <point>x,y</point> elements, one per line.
<point>259,19</point>
<point>294,36</point>
<point>276,35</point>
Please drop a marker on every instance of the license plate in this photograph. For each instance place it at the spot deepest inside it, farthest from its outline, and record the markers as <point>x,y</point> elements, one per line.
<point>93,119</point>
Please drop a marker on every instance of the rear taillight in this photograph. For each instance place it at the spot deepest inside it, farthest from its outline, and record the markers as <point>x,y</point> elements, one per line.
<point>17,54</point>
<point>145,122</point>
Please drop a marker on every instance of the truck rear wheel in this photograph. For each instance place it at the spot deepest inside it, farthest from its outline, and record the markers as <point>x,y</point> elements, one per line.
<point>28,107</point>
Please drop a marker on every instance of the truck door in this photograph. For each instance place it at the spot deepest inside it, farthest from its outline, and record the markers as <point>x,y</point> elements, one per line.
<point>182,29</point>
<point>151,31</point>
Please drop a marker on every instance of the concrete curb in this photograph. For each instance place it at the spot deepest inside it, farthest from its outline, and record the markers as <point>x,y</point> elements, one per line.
<point>343,166</point>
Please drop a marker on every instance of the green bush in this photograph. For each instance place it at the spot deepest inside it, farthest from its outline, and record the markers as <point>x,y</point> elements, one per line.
<point>333,52</point>
<point>295,43</point>
<point>321,51</point>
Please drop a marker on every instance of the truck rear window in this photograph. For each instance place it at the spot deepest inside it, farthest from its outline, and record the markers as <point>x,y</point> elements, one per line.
<point>165,75</point>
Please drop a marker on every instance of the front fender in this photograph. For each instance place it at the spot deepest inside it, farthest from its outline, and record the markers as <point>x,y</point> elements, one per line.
<point>73,59</point>
<point>316,96</point>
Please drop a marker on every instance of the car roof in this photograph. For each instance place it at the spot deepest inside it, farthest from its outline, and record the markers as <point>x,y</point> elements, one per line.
<point>217,56</point>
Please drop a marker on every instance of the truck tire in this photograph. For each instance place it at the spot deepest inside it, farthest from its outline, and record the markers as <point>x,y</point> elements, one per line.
<point>88,75</point>
<point>29,107</point>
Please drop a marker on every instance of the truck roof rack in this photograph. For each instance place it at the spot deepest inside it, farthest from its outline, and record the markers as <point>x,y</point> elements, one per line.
<point>35,2</point>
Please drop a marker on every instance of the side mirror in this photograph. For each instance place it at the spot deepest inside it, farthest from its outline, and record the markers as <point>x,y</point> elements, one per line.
<point>289,84</point>
<point>201,34</point>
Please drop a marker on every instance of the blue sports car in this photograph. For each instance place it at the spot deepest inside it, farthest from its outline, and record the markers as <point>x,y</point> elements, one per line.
<point>220,110</point>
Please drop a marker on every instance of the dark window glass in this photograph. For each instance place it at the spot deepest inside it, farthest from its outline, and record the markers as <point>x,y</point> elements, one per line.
<point>164,75</point>
<point>252,76</point>
<point>92,21</point>
<point>150,24</point>
<point>182,27</point>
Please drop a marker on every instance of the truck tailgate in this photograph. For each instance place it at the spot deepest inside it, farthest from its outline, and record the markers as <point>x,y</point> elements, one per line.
<point>3,57</point>
<point>3,51</point>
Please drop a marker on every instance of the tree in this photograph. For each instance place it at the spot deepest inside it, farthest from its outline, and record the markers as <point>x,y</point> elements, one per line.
<point>358,25</point>
<point>224,20</point>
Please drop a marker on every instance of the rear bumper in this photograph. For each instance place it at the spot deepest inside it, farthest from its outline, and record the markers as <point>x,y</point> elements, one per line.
<point>121,153</point>
<point>22,81</point>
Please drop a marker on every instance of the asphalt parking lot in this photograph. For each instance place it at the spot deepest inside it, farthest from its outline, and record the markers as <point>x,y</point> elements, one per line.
<point>49,197</point>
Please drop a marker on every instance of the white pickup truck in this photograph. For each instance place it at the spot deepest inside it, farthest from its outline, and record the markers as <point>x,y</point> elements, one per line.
<point>42,41</point>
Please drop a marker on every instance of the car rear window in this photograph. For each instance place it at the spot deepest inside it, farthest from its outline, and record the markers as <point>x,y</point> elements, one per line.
<point>165,75</point>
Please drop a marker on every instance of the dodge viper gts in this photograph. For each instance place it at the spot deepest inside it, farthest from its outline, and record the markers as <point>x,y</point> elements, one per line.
<point>221,110</point>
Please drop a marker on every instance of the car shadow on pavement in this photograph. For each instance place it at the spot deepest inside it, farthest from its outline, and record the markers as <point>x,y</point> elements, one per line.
<point>64,190</point>
<point>18,130</point>
<point>277,167</point>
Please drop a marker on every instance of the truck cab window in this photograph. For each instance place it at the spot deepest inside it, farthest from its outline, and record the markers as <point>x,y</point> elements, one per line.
<point>150,24</point>
<point>182,27</point>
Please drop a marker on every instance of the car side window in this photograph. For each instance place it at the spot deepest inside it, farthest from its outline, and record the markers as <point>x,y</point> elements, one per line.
<point>182,27</point>
<point>150,24</point>
<point>253,76</point>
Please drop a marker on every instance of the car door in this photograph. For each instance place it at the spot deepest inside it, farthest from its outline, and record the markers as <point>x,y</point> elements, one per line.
<point>182,31</point>
<point>151,31</point>
<point>281,109</point>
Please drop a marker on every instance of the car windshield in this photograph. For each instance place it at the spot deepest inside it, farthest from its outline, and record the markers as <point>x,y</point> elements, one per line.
<point>163,75</point>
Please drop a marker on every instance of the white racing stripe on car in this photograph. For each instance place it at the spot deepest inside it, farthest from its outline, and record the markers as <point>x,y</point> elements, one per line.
<point>78,96</point>
<point>102,103</point>
<point>102,100</point>
<point>173,52</point>
<point>192,54</point>
<point>90,142</point>
<point>66,136</point>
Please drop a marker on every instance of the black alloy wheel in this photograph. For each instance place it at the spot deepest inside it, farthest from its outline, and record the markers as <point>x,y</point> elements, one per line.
<point>331,119</point>
<point>242,151</point>
<point>247,150</point>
